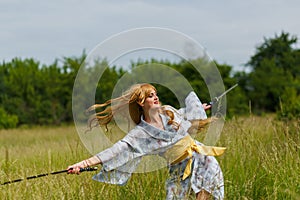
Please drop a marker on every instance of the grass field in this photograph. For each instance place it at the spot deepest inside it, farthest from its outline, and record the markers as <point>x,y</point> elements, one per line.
<point>262,161</point>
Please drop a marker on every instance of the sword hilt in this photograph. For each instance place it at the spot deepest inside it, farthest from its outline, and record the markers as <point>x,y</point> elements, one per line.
<point>88,169</point>
<point>215,100</point>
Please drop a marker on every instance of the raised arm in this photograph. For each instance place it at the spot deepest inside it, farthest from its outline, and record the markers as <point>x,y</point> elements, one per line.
<point>194,109</point>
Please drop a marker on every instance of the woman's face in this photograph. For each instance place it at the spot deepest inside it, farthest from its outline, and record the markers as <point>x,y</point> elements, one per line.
<point>151,102</point>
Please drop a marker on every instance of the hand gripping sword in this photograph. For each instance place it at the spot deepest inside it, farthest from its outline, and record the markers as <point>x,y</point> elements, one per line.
<point>216,99</point>
<point>46,174</point>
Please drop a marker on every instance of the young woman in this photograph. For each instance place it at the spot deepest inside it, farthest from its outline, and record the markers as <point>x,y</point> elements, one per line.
<point>161,130</point>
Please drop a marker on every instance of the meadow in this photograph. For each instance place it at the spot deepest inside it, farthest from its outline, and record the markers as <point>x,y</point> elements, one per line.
<point>262,161</point>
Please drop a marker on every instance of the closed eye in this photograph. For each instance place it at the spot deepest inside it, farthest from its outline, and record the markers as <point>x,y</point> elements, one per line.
<point>152,94</point>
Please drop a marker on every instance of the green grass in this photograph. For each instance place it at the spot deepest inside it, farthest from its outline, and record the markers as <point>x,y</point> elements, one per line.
<point>262,161</point>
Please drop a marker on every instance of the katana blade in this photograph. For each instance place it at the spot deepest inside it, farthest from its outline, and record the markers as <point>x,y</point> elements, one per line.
<point>216,99</point>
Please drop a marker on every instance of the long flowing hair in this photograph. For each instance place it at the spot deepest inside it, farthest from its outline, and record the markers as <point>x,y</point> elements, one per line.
<point>130,101</point>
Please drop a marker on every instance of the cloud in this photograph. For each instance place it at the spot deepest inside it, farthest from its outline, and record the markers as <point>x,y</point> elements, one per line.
<point>228,30</point>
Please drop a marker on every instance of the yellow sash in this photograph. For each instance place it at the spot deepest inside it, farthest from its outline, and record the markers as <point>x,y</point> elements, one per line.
<point>184,148</point>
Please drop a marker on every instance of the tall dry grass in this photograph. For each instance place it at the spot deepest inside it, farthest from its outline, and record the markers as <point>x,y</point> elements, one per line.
<point>261,162</point>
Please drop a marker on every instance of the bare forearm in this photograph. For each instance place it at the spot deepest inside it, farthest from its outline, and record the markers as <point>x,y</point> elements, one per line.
<point>92,161</point>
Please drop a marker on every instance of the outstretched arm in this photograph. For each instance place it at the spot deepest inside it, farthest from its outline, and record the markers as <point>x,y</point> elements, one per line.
<point>103,157</point>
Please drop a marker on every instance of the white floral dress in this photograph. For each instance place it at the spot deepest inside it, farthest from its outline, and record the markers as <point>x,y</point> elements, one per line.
<point>121,160</point>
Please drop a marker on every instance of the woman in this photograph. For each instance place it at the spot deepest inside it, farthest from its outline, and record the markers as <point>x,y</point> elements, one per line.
<point>161,130</point>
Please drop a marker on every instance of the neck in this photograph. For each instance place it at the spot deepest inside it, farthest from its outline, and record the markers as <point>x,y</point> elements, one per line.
<point>152,117</point>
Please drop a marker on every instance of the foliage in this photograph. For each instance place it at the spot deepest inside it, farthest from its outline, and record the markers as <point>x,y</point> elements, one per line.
<point>289,105</point>
<point>6,120</point>
<point>275,73</point>
<point>42,94</point>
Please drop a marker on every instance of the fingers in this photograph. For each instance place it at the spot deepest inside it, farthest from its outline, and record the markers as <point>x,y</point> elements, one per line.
<point>206,106</point>
<point>75,169</point>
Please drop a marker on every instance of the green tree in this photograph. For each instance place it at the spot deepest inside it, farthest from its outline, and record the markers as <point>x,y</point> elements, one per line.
<point>38,94</point>
<point>275,68</point>
<point>21,86</point>
<point>6,120</point>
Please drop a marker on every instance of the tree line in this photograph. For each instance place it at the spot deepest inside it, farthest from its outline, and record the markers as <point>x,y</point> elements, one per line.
<point>35,94</point>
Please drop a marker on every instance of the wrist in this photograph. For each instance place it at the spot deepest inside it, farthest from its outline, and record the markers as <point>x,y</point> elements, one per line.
<point>86,163</point>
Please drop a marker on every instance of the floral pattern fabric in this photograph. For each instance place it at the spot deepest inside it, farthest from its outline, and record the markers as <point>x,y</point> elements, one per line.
<point>121,160</point>
<point>206,175</point>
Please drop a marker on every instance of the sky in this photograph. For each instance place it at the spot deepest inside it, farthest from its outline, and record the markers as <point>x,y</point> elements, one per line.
<point>228,30</point>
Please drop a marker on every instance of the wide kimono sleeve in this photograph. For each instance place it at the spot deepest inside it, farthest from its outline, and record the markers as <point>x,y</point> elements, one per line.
<point>193,108</point>
<point>118,162</point>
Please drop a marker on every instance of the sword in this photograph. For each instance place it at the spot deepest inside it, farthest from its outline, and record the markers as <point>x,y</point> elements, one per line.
<point>216,99</point>
<point>46,174</point>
